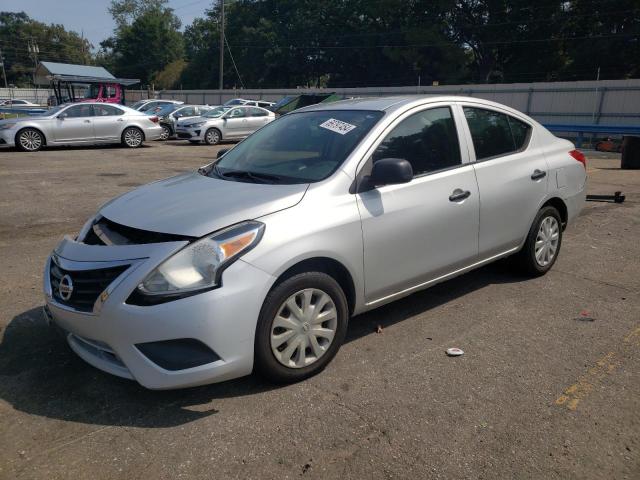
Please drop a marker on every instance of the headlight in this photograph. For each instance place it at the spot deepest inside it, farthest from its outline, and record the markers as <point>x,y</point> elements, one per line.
<point>198,266</point>
<point>7,126</point>
<point>199,124</point>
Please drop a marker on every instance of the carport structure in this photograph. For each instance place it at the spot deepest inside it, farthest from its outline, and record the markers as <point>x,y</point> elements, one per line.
<point>64,77</point>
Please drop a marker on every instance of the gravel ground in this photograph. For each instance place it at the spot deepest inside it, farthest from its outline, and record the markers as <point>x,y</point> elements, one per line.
<point>548,387</point>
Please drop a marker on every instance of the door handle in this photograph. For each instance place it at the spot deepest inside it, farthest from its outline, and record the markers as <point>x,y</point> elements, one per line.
<point>538,174</point>
<point>87,121</point>
<point>459,195</point>
<point>120,120</point>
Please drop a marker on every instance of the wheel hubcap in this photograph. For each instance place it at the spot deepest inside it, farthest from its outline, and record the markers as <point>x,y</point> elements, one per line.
<point>30,140</point>
<point>133,138</point>
<point>304,327</point>
<point>213,137</point>
<point>547,241</point>
<point>165,133</point>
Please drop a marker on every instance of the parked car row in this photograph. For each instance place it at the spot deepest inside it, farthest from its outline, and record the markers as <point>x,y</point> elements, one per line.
<point>87,123</point>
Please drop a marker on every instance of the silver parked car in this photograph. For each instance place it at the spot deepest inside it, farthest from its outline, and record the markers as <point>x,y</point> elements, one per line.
<point>249,103</point>
<point>146,105</point>
<point>86,123</point>
<point>170,114</point>
<point>223,123</point>
<point>257,261</point>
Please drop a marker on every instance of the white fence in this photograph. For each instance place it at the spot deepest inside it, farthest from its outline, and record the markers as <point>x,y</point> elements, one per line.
<point>612,102</point>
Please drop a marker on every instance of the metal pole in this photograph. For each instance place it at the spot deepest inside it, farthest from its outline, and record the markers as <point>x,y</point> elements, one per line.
<point>4,73</point>
<point>221,81</point>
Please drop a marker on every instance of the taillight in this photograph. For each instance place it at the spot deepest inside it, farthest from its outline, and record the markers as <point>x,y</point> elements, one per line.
<point>579,156</point>
<point>154,119</point>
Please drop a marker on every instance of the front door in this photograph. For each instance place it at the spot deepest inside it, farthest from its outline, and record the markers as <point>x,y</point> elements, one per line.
<point>236,123</point>
<point>416,232</point>
<point>512,177</point>
<point>75,124</point>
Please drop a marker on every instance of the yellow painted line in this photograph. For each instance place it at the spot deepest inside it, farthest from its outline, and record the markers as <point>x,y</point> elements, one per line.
<point>606,365</point>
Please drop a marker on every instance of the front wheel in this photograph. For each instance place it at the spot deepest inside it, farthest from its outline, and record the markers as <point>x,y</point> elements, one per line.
<point>212,136</point>
<point>543,242</point>
<point>29,140</point>
<point>302,325</point>
<point>132,137</point>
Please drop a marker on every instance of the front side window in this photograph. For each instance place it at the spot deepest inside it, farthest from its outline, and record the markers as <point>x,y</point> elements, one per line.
<point>301,147</point>
<point>78,111</point>
<point>237,113</point>
<point>494,133</point>
<point>428,140</point>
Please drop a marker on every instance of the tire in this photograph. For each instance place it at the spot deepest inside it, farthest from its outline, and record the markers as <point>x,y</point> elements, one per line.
<point>212,136</point>
<point>29,140</point>
<point>166,133</point>
<point>278,322</point>
<point>132,137</point>
<point>540,252</point>
<point>599,147</point>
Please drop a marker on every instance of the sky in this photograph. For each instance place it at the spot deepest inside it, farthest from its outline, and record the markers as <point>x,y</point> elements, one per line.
<point>91,16</point>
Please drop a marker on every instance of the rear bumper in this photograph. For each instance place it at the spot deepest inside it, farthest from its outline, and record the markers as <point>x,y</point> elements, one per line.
<point>153,133</point>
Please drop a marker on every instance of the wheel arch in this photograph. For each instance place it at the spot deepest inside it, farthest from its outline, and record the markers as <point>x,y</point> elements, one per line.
<point>329,266</point>
<point>559,205</point>
<point>137,127</point>
<point>44,135</point>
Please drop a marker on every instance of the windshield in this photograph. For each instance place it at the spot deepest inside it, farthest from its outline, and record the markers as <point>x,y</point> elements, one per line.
<point>297,148</point>
<point>215,112</point>
<point>235,101</point>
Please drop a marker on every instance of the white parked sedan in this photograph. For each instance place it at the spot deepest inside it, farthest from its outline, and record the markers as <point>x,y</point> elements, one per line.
<point>258,260</point>
<point>85,123</point>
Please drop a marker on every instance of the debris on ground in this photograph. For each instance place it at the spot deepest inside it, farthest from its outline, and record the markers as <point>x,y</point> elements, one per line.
<point>379,329</point>
<point>454,352</point>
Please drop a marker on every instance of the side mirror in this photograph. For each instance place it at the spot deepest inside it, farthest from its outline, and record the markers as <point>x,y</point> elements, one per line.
<point>390,171</point>
<point>62,116</point>
<point>221,152</point>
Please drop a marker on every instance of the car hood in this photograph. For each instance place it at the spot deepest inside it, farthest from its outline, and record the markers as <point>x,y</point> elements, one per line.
<point>194,205</point>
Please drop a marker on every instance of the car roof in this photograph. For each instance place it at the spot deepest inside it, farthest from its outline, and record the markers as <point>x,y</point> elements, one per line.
<point>392,103</point>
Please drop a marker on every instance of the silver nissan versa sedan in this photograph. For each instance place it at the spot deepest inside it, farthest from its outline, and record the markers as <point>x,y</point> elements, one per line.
<point>257,261</point>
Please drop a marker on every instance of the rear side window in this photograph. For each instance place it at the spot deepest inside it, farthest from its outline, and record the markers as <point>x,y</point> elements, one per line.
<point>495,133</point>
<point>78,111</point>
<point>106,110</point>
<point>428,140</point>
<point>258,112</point>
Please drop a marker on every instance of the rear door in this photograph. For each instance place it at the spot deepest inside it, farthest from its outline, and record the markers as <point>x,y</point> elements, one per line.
<point>257,118</point>
<point>108,122</point>
<point>75,124</point>
<point>416,232</point>
<point>511,172</point>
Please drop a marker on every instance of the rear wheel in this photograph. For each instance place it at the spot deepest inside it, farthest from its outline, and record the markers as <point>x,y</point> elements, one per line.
<point>166,133</point>
<point>542,246</point>
<point>132,137</point>
<point>212,136</point>
<point>302,325</point>
<point>29,140</point>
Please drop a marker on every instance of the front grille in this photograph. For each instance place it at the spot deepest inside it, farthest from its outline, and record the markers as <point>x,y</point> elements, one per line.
<point>87,285</point>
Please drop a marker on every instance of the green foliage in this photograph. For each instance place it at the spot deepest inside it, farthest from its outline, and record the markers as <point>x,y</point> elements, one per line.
<point>170,76</point>
<point>54,42</point>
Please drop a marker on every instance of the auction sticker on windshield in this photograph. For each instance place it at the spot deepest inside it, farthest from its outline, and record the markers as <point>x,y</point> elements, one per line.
<point>337,126</point>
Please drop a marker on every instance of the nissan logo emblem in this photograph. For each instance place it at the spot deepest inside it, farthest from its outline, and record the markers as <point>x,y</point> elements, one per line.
<point>65,289</point>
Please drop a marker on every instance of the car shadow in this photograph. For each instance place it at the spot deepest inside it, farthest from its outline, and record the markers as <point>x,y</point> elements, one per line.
<point>40,375</point>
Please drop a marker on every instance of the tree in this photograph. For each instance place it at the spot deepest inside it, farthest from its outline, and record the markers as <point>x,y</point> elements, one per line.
<point>146,40</point>
<point>54,42</point>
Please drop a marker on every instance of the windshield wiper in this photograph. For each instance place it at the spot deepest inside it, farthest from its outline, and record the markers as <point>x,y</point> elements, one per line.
<point>255,176</point>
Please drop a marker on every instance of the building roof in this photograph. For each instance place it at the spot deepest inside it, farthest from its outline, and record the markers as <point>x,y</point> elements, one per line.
<point>68,72</point>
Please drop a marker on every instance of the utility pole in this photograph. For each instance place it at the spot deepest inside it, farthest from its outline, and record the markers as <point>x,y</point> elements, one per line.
<point>32,47</point>
<point>4,73</point>
<point>221,80</point>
